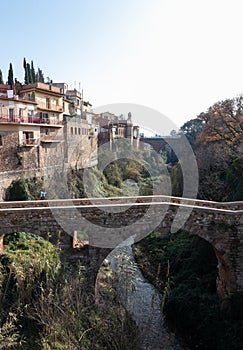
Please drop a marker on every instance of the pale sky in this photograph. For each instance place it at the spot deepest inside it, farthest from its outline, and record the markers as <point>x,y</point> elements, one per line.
<point>175,56</point>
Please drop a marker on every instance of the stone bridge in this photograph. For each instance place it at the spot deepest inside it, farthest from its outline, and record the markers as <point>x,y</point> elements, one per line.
<point>160,143</point>
<point>106,222</point>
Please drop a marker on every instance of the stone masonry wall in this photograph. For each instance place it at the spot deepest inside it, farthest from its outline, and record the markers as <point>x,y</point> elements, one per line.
<point>6,178</point>
<point>9,158</point>
<point>82,151</point>
<point>51,154</point>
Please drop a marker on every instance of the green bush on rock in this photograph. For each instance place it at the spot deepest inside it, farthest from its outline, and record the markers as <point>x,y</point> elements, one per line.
<point>24,189</point>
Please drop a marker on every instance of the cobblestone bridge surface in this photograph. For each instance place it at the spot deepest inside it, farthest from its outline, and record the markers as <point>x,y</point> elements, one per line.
<point>106,222</point>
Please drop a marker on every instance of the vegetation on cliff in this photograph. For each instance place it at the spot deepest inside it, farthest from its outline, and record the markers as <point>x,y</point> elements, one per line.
<point>29,265</point>
<point>49,305</point>
<point>23,189</point>
<point>216,137</point>
<point>135,172</point>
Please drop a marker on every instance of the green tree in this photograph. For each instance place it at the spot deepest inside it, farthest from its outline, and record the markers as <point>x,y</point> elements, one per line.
<point>26,79</point>
<point>24,189</point>
<point>39,76</point>
<point>24,63</point>
<point>28,74</point>
<point>32,72</point>
<point>173,133</point>
<point>1,77</point>
<point>176,180</point>
<point>192,128</point>
<point>113,175</point>
<point>234,179</point>
<point>10,75</point>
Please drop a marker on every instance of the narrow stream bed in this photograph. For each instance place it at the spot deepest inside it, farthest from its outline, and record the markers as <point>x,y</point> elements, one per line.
<point>141,300</point>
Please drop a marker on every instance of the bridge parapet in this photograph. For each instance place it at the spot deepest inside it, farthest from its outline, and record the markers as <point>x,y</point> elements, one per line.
<point>160,143</point>
<point>123,200</point>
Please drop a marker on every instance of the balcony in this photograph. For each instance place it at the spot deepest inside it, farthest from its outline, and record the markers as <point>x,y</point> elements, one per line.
<point>15,119</point>
<point>50,106</point>
<point>42,105</point>
<point>42,86</point>
<point>30,142</point>
<point>51,138</point>
<point>49,121</point>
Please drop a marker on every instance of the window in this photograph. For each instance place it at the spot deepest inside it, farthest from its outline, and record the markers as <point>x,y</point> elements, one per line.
<point>47,102</point>
<point>1,140</point>
<point>28,135</point>
<point>28,138</point>
<point>11,114</point>
<point>31,96</point>
<point>79,131</point>
<point>44,117</point>
<point>75,131</point>
<point>71,130</point>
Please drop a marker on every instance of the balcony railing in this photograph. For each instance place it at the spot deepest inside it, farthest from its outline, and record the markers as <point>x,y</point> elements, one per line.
<point>29,119</point>
<point>51,138</point>
<point>42,105</point>
<point>30,142</point>
<point>50,106</point>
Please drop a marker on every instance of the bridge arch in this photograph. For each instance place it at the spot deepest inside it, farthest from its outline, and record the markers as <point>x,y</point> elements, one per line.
<point>222,237</point>
<point>225,279</point>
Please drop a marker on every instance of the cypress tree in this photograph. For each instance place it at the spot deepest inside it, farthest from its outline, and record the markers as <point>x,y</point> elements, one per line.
<point>25,72</point>
<point>1,77</point>
<point>32,72</point>
<point>39,76</point>
<point>24,63</point>
<point>28,74</point>
<point>26,81</point>
<point>10,75</point>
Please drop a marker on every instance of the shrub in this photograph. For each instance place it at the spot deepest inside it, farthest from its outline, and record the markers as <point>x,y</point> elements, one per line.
<point>24,189</point>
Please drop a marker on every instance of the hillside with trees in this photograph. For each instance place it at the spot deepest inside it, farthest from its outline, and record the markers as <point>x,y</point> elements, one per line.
<point>216,137</point>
